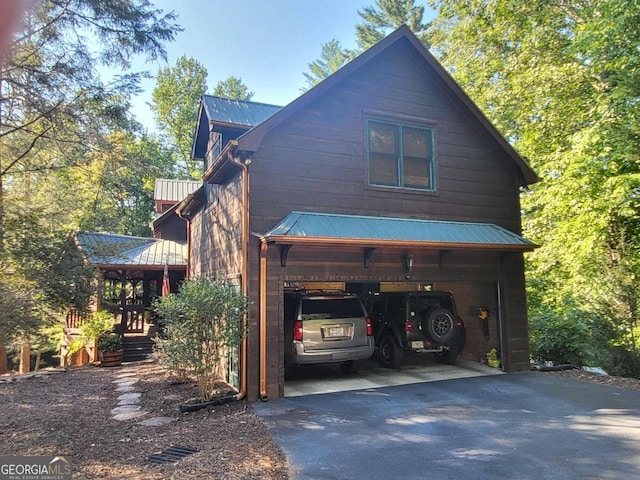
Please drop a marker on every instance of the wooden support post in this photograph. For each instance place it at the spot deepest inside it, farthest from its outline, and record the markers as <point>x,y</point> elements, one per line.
<point>25,357</point>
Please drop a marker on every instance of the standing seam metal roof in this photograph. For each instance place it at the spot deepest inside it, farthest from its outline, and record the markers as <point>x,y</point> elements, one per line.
<point>174,190</point>
<point>325,225</point>
<point>237,112</point>
<point>112,249</point>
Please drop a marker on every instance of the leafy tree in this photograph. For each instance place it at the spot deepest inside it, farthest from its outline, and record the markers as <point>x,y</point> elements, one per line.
<point>176,98</point>
<point>387,15</point>
<point>233,88</point>
<point>333,57</point>
<point>114,191</point>
<point>54,104</point>
<point>560,80</point>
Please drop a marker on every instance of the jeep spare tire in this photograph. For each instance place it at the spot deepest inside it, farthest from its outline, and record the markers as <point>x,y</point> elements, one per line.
<point>438,325</point>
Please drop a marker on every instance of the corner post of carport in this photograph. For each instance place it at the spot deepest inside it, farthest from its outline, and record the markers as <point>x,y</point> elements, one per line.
<point>264,247</point>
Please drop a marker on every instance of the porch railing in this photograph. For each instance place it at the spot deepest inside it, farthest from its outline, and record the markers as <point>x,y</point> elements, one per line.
<point>74,319</point>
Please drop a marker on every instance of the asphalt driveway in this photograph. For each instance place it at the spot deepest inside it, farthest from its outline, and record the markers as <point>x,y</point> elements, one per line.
<point>517,426</point>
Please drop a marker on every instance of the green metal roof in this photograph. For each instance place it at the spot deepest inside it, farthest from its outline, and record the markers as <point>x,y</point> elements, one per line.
<point>123,250</point>
<point>381,230</point>
<point>237,112</point>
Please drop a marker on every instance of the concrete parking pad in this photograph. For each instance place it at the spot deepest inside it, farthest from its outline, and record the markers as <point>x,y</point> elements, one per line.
<point>417,368</point>
<point>527,426</point>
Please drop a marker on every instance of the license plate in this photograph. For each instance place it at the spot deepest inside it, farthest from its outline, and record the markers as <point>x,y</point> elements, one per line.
<point>336,332</point>
<point>416,345</point>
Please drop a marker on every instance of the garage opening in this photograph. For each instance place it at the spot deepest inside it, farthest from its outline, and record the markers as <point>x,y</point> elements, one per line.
<point>421,332</point>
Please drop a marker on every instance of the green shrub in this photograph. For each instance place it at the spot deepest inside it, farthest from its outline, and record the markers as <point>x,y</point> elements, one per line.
<point>202,322</point>
<point>110,342</point>
<point>97,325</point>
<point>561,337</point>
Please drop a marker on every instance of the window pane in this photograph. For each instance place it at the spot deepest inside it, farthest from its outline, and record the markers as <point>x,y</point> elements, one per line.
<point>416,172</point>
<point>416,164</point>
<point>383,169</point>
<point>416,142</point>
<point>382,138</point>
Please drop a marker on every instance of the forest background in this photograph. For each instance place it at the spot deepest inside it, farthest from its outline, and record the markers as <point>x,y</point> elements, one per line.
<point>560,80</point>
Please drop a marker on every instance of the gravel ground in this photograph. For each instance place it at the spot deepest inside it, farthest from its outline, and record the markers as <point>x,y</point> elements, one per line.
<point>69,414</point>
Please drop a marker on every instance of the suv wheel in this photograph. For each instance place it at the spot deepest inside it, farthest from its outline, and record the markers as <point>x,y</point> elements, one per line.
<point>390,352</point>
<point>439,325</point>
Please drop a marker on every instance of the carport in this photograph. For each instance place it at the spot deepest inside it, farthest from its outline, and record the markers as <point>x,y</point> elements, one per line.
<point>480,262</point>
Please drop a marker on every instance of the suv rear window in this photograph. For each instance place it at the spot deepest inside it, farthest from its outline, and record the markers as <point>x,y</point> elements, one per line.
<point>318,308</point>
<point>418,303</point>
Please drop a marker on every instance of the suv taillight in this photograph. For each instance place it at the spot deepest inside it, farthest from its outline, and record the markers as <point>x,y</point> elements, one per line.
<point>369,327</point>
<point>297,330</point>
<point>408,326</point>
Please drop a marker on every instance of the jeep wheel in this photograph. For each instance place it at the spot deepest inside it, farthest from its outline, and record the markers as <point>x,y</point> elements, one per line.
<point>390,352</point>
<point>439,325</point>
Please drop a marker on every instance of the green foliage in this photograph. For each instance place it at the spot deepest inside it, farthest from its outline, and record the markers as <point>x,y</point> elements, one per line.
<point>387,15</point>
<point>233,88</point>
<point>175,104</point>
<point>332,58</point>
<point>97,325</point>
<point>560,81</point>
<point>560,337</point>
<point>203,321</point>
<point>109,343</point>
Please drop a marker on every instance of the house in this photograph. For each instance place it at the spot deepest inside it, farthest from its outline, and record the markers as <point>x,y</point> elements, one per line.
<point>383,176</point>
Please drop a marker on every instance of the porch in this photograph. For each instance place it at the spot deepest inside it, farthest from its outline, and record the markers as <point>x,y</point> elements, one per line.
<point>132,273</point>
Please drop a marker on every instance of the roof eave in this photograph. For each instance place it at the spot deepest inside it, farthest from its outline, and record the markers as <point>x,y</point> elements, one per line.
<point>377,243</point>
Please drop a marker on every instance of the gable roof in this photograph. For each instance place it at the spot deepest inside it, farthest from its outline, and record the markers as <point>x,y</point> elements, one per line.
<point>170,190</point>
<point>108,249</point>
<point>251,140</point>
<point>325,228</point>
<point>225,111</point>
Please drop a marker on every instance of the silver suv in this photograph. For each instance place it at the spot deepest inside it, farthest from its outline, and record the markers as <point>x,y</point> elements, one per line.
<point>325,327</point>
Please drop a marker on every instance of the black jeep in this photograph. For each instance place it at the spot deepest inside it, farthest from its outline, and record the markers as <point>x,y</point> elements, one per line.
<point>415,321</point>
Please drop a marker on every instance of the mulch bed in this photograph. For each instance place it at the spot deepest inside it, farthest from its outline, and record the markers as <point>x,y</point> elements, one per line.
<point>68,414</point>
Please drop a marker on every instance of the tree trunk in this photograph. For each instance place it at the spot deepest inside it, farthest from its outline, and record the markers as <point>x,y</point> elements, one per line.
<point>4,366</point>
<point>38,358</point>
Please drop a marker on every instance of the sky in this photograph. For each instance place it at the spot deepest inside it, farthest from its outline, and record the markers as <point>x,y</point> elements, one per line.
<point>268,44</point>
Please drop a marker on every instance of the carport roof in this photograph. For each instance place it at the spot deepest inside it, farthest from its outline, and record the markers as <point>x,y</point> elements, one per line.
<point>326,228</point>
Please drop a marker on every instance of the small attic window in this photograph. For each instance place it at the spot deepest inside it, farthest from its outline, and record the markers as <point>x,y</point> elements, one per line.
<point>400,155</point>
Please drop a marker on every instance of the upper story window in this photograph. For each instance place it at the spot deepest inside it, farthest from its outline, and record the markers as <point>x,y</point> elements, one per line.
<point>400,155</point>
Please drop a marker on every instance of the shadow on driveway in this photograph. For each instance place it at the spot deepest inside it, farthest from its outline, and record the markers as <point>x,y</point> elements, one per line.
<point>516,426</point>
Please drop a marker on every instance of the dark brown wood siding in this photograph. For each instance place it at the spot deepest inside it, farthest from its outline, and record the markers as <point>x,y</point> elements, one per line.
<point>173,228</point>
<point>316,160</point>
<point>215,248</point>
